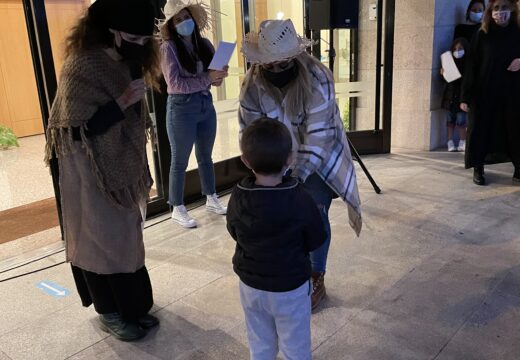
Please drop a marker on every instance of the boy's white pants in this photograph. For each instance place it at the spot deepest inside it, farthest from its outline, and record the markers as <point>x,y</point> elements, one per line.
<point>278,320</point>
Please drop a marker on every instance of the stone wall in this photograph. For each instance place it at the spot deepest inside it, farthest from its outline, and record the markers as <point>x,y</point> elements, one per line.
<point>413,43</point>
<point>448,13</point>
<point>423,30</point>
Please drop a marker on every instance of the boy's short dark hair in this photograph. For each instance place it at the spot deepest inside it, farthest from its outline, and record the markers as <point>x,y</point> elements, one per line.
<point>266,145</point>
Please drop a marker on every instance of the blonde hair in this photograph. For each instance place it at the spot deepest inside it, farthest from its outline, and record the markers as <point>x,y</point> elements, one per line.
<point>488,15</point>
<point>299,91</point>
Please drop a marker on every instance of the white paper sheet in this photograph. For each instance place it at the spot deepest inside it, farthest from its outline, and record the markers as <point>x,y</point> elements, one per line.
<point>222,55</point>
<point>451,72</point>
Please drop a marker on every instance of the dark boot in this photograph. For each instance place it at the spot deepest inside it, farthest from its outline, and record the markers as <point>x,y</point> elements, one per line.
<point>148,321</point>
<point>516,176</point>
<point>318,288</point>
<point>478,175</point>
<point>125,331</point>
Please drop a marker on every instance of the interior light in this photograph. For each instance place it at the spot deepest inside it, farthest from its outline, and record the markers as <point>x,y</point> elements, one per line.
<point>280,15</point>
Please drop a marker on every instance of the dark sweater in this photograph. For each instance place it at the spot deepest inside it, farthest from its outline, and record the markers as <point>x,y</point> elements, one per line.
<point>275,229</point>
<point>105,117</point>
<point>466,31</point>
<point>452,91</point>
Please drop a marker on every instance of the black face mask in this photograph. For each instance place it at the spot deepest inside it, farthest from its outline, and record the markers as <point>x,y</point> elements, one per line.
<point>134,55</point>
<point>282,78</point>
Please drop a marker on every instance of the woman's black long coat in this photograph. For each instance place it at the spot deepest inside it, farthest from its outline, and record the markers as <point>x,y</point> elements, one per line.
<point>493,94</point>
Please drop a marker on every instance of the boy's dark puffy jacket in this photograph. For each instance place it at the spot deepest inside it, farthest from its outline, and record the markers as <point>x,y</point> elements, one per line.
<point>275,229</point>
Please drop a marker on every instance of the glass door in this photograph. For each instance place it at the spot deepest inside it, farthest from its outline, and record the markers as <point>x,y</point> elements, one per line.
<point>28,213</point>
<point>61,16</point>
<point>354,55</point>
<point>227,26</point>
<point>49,22</point>
<point>362,69</point>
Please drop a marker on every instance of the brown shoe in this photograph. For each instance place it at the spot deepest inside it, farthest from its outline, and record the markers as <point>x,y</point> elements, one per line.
<point>318,288</point>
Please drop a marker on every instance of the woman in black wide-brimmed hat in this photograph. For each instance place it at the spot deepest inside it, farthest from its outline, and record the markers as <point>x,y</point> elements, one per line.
<point>97,130</point>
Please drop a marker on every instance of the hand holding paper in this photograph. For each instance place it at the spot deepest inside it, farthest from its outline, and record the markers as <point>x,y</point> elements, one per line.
<point>451,72</point>
<point>222,55</point>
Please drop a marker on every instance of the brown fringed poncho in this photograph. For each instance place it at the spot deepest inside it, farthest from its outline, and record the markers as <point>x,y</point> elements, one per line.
<point>118,157</point>
<point>104,179</point>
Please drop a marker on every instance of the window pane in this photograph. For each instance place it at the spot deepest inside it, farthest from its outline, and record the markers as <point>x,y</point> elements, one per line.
<point>227,26</point>
<point>276,9</point>
<point>28,214</point>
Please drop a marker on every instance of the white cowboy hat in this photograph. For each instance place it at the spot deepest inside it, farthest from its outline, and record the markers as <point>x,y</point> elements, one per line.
<point>277,40</point>
<point>198,10</point>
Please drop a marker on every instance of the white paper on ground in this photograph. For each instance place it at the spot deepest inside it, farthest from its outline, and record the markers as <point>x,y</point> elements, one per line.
<point>451,72</point>
<point>222,55</point>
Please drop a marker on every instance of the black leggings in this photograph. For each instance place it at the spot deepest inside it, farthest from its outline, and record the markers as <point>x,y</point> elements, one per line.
<point>129,294</point>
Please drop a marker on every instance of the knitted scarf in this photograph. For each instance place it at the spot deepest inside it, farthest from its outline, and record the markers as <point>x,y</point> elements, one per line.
<point>118,159</point>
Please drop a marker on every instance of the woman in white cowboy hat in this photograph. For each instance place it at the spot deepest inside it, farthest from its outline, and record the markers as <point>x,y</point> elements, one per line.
<point>287,84</point>
<point>190,115</point>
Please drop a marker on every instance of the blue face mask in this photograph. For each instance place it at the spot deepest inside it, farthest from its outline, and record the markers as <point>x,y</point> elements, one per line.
<point>185,28</point>
<point>475,17</point>
<point>458,54</point>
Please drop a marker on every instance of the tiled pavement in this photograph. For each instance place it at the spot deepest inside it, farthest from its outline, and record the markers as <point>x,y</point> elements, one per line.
<point>435,274</point>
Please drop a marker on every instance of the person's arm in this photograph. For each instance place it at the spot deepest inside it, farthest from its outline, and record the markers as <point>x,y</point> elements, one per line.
<point>471,67</point>
<point>249,108</point>
<point>174,79</point>
<point>230,216</point>
<point>320,128</point>
<point>314,232</point>
<point>103,119</point>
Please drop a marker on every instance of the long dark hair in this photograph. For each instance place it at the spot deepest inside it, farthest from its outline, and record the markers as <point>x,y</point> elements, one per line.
<point>88,34</point>
<point>202,49</point>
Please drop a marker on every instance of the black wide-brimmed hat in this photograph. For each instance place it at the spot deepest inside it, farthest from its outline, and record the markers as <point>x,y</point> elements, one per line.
<point>131,16</point>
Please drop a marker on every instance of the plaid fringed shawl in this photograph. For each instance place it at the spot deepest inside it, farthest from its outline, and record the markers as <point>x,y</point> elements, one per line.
<point>321,142</point>
<point>117,157</point>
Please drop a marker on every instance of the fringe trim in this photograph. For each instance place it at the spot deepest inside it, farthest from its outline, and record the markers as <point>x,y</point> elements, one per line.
<point>354,219</point>
<point>60,142</point>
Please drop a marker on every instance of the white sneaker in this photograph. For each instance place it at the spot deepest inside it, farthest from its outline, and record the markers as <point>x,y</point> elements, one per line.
<point>462,145</point>
<point>180,215</point>
<point>451,146</point>
<point>213,204</point>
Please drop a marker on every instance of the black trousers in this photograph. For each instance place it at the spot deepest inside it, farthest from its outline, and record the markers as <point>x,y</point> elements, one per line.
<point>129,294</point>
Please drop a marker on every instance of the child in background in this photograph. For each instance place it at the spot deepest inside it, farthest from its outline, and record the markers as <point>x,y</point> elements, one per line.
<point>451,97</point>
<point>275,224</point>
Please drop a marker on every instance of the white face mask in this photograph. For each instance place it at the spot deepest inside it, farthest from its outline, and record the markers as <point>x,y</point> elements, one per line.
<point>501,17</point>
<point>475,17</point>
<point>458,54</point>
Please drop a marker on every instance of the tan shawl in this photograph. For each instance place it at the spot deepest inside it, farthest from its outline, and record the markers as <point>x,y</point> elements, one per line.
<point>118,157</point>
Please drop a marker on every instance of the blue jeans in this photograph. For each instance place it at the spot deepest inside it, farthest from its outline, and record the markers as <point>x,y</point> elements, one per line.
<point>322,195</point>
<point>456,119</point>
<point>190,119</point>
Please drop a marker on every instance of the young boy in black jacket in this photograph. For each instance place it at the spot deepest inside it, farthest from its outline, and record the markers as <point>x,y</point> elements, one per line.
<point>275,224</point>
